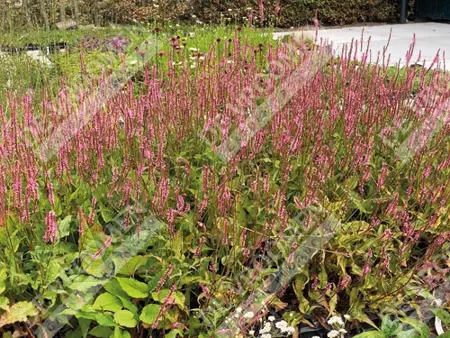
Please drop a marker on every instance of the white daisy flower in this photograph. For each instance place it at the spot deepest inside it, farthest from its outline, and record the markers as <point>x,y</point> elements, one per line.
<point>249,315</point>
<point>333,334</point>
<point>335,320</point>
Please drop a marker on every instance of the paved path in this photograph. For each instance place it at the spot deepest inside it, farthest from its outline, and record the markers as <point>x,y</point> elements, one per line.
<point>430,37</point>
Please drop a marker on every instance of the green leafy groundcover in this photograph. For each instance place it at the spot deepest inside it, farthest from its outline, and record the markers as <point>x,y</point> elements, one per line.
<point>141,223</point>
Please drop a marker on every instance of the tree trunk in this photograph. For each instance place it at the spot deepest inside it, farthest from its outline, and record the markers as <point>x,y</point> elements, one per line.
<point>44,14</point>
<point>62,10</point>
<point>76,11</point>
<point>3,23</point>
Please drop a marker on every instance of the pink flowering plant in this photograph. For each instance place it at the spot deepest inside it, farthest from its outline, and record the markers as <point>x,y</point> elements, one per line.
<point>79,256</point>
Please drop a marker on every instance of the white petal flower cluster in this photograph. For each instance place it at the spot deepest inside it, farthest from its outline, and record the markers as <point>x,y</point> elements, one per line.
<point>283,327</point>
<point>333,334</point>
<point>336,321</point>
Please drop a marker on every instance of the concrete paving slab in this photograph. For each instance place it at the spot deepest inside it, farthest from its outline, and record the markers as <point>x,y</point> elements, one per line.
<point>430,38</point>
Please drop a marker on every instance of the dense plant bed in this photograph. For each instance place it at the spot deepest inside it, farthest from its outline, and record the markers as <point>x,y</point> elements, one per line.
<point>223,186</point>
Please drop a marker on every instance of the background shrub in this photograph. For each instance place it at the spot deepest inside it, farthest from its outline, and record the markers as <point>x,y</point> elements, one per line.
<point>292,12</point>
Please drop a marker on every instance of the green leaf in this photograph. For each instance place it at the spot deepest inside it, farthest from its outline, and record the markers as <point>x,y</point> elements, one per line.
<point>83,283</point>
<point>177,296</point>
<point>371,334</point>
<point>420,327</point>
<point>133,287</point>
<point>2,280</point>
<point>118,333</point>
<point>73,334</point>
<point>84,326</point>
<point>174,334</point>
<point>51,272</point>
<point>105,319</point>
<point>107,302</point>
<point>101,331</point>
<point>95,258</point>
<point>106,213</point>
<point>82,314</point>
<point>64,226</point>
<point>18,312</point>
<point>443,315</point>
<point>406,334</point>
<point>4,303</point>
<point>149,314</point>
<point>129,266</point>
<point>125,318</point>
<point>114,287</point>
<point>444,335</point>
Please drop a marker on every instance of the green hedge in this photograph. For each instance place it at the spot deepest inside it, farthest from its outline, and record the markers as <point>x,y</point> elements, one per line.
<point>301,12</point>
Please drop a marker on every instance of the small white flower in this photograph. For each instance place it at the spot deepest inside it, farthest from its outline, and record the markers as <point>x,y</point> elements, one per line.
<point>342,331</point>
<point>333,334</point>
<point>347,317</point>
<point>230,10</point>
<point>290,329</point>
<point>271,318</point>
<point>315,337</point>
<point>236,315</point>
<point>249,8</point>
<point>155,5</point>
<point>239,309</point>
<point>249,315</point>
<point>335,320</point>
<point>251,332</point>
<point>194,16</point>
<point>191,34</point>
<point>266,335</point>
<point>282,325</point>
<point>177,25</point>
<point>265,329</point>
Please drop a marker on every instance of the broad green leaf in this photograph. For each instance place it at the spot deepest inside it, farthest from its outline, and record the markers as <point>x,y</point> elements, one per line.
<point>177,296</point>
<point>4,303</point>
<point>105,319</point>
<point>125,318</point>
<point>174,334</point>
<point>107,302</point>
<point>51,272</point>
<point>95,257</point>
<point>114,288</point>
<point>149,314</point>
<point>84,326</point>
<point>129,266</point>
<point>73,334</point>
<point>106,213</point>
<point>18,312</point>
<point>406,334</point>
<point>444,335</point>
<point>2,280</point>
<point>83,314</point>
<point>84,283</point>
<point>133,287</point>
<point>101,331</point>
<point>443,315</point>
<point>64,226</point>
<point>118,333</point>
<point>420,327</point>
